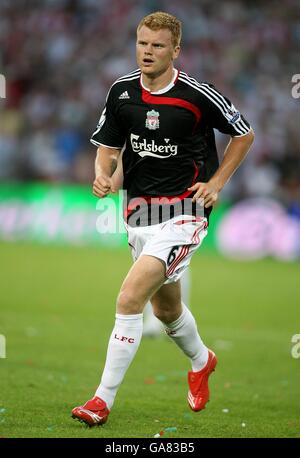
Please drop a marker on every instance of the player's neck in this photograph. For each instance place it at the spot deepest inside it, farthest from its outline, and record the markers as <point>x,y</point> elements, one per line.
<point>159,82</point>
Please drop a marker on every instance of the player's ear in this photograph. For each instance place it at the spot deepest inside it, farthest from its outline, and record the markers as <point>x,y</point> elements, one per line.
<point>176,52</point>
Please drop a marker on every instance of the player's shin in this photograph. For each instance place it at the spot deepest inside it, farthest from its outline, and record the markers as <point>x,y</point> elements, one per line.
<point>123,344</point>
<point>185,334</point>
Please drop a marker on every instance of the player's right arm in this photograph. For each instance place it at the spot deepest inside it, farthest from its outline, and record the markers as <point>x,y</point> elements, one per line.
<point>110,138</point>
<point>105,166</point>
<point>118,176</point>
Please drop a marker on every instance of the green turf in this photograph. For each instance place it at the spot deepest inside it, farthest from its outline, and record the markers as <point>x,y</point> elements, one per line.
<point>57,312</point>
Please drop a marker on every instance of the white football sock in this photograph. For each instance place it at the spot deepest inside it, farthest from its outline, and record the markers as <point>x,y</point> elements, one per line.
<point>122,347</point>
<point>185,334</point>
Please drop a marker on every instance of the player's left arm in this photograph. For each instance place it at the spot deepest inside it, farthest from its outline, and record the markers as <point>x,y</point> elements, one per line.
<point>220,113</point>
<point>234,154</point>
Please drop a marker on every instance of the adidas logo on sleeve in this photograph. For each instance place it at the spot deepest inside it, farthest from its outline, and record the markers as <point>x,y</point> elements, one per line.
<point>124,95</point>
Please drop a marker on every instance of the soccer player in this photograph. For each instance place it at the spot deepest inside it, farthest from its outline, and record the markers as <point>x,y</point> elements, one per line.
<point>172,177</point>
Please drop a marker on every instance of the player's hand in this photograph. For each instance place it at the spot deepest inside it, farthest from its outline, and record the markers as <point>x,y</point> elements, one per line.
<point>102,186</point>
<point>206,193</point>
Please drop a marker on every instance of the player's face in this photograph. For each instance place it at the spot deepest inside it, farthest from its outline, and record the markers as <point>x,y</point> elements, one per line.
<point>155,51</point>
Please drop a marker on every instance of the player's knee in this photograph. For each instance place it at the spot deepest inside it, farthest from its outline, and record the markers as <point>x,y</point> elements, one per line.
<point>165,315</point>
<point>128,303</point>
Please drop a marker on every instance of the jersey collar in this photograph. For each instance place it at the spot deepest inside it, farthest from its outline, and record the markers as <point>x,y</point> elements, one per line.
<point>164,89</point>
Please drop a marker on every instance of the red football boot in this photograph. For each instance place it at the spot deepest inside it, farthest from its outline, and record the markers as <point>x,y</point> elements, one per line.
<point>198,394</point>
<point>93,412</point>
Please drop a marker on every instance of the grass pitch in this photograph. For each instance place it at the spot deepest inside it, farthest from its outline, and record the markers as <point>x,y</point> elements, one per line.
<point>57,312</point>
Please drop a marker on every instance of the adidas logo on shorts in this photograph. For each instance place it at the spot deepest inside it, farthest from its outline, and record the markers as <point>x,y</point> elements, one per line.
<point>124,95</point>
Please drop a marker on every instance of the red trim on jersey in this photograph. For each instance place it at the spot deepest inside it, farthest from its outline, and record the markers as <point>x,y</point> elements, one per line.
<point>169,199</point>
<point>185,250</point>
<point>185,221</point>
<point>178,73</point>
<point>195,238</point>
<point>182,254</point>
<point>147,97</point>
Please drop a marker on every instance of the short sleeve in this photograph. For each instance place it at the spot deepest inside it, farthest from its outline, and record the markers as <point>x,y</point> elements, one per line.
<point>221,114</point>
<point>108,131</point>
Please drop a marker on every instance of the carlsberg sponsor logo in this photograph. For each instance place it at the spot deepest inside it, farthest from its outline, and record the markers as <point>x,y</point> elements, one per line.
<point>151,149</point>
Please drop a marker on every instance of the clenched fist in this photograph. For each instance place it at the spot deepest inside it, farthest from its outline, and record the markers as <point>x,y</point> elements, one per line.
<point>206,193</point>
<point>102,186</point>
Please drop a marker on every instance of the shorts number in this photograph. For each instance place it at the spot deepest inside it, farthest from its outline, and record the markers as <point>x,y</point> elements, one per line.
<point>172,255</point>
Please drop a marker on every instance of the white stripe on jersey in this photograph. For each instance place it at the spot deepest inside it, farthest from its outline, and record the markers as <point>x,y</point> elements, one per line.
<point>125,79</point>
<point>135,72</point>
<point>129,77</point>
<point>106,146</point>
<point>100,124</point>
<point>219,96</point>
<point>94,142</point>
<point>120,81</point>
<point>218,101</point>
<point>241,127</point>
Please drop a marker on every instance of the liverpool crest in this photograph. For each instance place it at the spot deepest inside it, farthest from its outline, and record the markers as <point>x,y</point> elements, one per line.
<point>152,121</point>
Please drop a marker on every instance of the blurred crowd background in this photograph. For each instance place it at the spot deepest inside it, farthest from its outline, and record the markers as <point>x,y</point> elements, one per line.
<point>59,58</point>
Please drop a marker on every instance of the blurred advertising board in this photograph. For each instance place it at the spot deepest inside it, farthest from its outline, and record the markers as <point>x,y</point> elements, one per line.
<point>46,213</point>
<point>70,214</point>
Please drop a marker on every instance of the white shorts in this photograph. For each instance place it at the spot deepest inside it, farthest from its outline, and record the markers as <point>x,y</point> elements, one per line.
<point>173,241</point>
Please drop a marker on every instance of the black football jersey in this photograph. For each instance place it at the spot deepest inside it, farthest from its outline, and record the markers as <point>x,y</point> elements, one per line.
<point>168,135</point>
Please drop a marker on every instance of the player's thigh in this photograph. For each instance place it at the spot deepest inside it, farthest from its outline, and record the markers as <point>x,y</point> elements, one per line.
<point>144,278</point>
